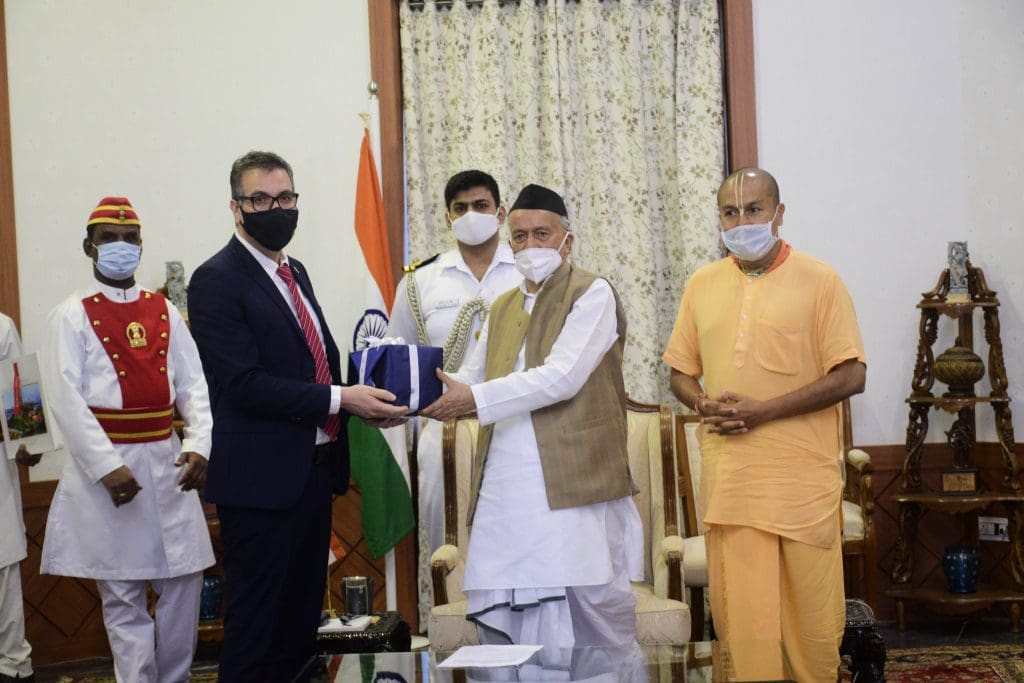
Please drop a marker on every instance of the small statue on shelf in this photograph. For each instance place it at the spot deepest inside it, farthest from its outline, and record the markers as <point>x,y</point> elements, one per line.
<point>176,289</point>
<point>958,285</point>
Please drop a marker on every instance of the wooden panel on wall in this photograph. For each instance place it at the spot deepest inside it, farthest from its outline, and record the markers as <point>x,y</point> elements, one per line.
<point>63,617</point>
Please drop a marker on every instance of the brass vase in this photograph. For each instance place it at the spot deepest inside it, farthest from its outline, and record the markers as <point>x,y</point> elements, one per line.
<point>959,368</point>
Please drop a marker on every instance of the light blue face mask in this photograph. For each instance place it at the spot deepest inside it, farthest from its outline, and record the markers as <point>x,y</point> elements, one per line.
<point>750,242</point>
<point>117,260</point>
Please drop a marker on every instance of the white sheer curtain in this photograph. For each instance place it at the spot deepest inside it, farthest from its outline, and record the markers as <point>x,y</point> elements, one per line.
<point>616,104</point>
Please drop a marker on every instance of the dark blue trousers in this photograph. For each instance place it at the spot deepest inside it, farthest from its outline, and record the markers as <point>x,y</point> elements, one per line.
<point>276,566</point>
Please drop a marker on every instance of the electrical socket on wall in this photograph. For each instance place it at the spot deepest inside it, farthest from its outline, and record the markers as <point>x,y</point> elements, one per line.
<point>993,529</point>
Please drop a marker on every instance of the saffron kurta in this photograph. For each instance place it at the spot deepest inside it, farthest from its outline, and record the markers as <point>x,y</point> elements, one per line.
<point>771,497</point>
<point>764,337</point>
<point>162,532</point>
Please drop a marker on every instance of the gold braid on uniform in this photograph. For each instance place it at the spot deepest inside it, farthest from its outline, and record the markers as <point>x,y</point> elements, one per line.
<point>413,294</point>
<point>458,338</point>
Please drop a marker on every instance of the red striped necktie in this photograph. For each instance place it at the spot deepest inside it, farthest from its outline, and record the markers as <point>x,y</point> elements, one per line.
<point>323,372</point>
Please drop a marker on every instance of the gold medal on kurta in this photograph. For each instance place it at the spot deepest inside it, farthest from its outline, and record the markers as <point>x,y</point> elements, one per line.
<point>136,334</point>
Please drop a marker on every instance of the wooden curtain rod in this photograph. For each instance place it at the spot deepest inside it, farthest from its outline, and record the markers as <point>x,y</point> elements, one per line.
<point>418,4</point>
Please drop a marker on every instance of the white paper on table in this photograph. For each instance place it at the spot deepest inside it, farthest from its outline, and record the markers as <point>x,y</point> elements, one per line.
<point>336,625</point>
<point>489,655</point>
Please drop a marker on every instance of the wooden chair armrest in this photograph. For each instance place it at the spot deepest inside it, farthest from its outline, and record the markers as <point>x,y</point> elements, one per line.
<point>859,460</point>
<point>672,551</point>
<point>442,563</point>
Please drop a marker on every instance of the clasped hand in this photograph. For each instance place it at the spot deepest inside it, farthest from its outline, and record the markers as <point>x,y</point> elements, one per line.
<point>732,413</point>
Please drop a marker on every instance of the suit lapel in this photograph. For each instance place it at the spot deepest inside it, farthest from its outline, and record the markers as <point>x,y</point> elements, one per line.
<point>255,271</point>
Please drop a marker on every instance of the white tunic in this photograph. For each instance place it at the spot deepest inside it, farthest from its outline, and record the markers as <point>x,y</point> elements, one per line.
<point>444,287</point>
<point>517,541</point>
<point>12,526</point>
<point>162,532</point>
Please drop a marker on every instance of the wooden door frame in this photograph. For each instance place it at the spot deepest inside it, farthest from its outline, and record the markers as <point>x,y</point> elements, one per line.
<point>9,298</point>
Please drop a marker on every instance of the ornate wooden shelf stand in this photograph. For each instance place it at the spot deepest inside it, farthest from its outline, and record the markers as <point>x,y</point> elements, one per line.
<point>913,499</point>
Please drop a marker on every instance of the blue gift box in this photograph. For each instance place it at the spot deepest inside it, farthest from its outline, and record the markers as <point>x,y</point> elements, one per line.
<point>407,371</point>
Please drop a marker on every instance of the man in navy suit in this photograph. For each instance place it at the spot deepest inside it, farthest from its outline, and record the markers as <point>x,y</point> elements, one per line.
<point>279,417</point>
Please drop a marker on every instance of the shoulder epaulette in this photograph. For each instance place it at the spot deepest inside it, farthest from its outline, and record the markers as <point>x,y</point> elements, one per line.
<point>425,262</point>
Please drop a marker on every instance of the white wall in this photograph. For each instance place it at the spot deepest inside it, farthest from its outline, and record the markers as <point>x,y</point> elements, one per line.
<point>154,101</point>
<point>893,128</point>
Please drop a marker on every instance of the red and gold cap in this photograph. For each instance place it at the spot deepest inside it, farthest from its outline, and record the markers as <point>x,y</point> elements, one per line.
<point>115,210</point>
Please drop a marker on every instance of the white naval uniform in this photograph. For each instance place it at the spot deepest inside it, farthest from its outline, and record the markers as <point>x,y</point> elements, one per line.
<point>536,575</point>
<point>444,287</point>
<point>15,659</point>
<point>161,535</point>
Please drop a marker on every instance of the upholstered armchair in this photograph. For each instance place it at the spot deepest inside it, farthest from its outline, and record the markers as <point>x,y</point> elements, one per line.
<point>695,556</point>
<point>859,546</point>
<point>662,616</point>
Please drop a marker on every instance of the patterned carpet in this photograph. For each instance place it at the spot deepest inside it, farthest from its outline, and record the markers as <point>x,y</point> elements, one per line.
<point>974,664</point>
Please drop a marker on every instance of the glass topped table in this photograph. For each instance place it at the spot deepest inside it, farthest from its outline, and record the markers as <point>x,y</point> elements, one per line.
<point>693,663</point>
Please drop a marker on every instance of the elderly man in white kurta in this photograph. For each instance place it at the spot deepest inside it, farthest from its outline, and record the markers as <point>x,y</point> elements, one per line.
<point>556,537</point>
<point>443,301</point>
<point>126,511</point>
<point>15,652</point>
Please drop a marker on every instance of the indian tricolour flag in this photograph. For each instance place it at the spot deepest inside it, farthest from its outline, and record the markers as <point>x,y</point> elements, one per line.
<point>380,465</point>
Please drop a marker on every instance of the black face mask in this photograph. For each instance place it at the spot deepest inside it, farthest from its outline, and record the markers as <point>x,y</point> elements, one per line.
<point>273,229</point>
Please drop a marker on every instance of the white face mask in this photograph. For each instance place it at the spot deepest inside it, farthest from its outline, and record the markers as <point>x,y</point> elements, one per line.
<point>750,242</point>
<point>474,228</point>
<point>537,263</point>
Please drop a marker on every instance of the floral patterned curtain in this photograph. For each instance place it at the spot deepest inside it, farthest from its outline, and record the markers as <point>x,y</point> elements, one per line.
<point>617,105</point>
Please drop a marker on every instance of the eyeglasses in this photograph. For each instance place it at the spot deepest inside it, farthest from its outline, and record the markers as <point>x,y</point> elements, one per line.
<point>264,202</point>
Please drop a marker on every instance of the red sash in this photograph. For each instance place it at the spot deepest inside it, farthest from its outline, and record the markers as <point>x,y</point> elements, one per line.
<point>136,337</point>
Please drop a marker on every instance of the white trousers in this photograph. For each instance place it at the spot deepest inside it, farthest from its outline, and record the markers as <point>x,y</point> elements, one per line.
<point>15,652</point>
<point>148,652</point>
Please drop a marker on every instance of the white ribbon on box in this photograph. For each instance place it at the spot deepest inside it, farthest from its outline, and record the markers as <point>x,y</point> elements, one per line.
<point>414,366</point>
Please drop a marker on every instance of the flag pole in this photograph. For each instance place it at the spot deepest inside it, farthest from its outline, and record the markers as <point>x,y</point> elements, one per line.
<point>368,117</point>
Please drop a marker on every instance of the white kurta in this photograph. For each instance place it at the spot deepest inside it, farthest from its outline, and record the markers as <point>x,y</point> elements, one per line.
<point>12,526</point>
<point>162,532</point>
<point>517,541</point>
<point>444,287</point>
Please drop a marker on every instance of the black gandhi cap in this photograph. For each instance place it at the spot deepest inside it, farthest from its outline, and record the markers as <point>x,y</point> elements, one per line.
<point>539,197</point>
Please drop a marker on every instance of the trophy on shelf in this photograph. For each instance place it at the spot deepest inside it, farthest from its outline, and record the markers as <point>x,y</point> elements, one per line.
<point>959,368</point>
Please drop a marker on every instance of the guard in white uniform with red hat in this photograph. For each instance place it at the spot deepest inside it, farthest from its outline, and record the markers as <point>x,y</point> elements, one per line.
<point>126,511</point>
